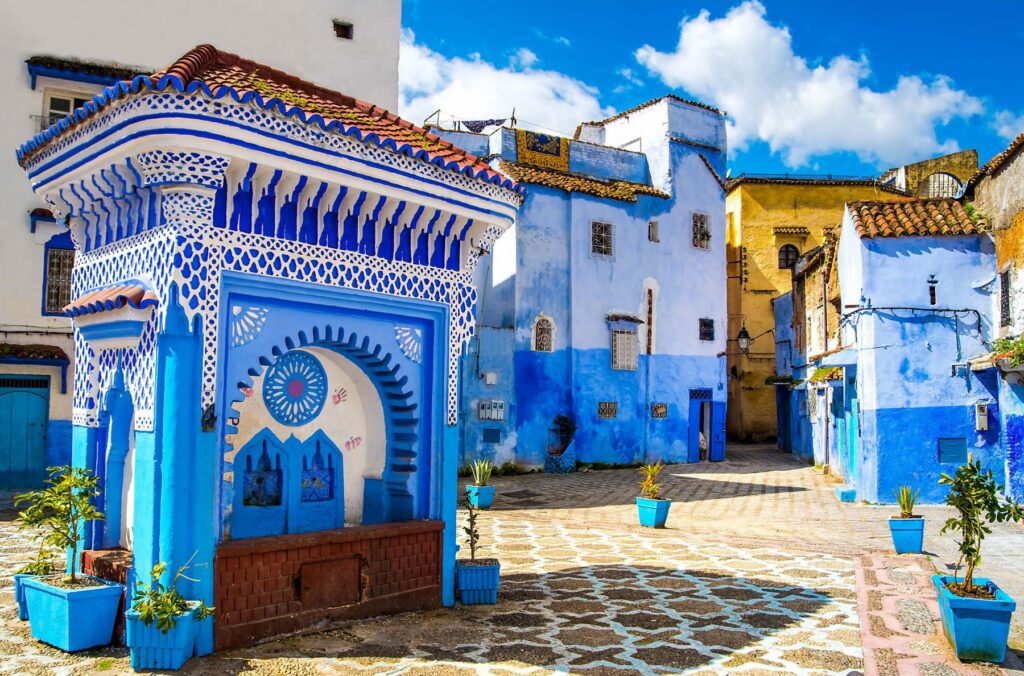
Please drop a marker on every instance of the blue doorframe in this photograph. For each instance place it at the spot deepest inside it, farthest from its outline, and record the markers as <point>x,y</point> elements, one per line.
<point>24,413</point>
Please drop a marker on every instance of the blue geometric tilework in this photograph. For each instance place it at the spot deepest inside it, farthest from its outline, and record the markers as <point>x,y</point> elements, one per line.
<point>295,388</point>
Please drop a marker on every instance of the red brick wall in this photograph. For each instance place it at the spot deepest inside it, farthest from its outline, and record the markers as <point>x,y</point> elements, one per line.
<point>113,565</point>
<point>260,590</point>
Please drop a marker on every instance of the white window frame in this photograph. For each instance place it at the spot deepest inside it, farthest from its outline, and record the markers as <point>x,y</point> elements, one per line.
<point>611,241</point>
<point>625,349</point>
<point>50,93</point>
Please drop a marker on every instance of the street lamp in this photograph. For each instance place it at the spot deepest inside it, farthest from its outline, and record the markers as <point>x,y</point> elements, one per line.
<point>743,340</point>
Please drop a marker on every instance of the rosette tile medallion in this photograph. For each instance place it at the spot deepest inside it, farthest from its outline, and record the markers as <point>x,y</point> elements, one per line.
<point>291,241</point>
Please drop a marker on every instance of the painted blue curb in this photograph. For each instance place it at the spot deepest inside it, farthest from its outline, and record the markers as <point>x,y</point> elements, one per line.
<point>72,619</point>
<point>907,534</point>
<point>481,497</point>
<point>152,649</point>
<point>477,584</point>
<point>653,513</point>
<point>19,594</point>
<point>976,628</point>
<point>845,493</point>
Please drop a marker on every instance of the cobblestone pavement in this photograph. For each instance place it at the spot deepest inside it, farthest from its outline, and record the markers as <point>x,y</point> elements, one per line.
<point>754,574</point>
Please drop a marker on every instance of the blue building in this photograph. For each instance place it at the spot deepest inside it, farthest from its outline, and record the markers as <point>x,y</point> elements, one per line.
<point>272,291</point>
<point>917,283</point>
<point>604,308</point>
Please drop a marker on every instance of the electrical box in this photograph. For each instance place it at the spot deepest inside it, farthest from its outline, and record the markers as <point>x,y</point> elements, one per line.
<point>490,378</point>
<point>491,410</point>
<point>981,417</point>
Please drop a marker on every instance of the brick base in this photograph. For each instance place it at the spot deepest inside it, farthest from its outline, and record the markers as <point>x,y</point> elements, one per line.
<point>277,585</point>
<point>113,565</point>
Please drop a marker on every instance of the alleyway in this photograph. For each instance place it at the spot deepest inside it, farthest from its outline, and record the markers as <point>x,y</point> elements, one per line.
<point>756,573</point>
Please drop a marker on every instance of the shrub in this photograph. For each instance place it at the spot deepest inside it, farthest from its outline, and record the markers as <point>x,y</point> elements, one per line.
<point>906,498</point>
<point>649,487</point>
<point>481,470</point>
<point>156,603</point>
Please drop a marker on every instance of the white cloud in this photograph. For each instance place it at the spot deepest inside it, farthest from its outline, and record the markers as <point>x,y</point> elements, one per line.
<point>1008,125</point>
<point>747,66</point>
<point>470,88</point>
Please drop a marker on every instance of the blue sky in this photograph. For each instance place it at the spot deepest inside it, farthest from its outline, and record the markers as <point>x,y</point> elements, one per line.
<point>837,87</point>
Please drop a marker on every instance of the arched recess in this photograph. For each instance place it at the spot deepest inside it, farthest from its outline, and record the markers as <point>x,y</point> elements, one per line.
<point>116,420</point>
<point>940,184</point>
<point>388,498</point>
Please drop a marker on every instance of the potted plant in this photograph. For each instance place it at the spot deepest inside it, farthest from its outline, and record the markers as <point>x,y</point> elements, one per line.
<point>72,612</point>
<point>480,494</point>
<point>161,626</point>
<point>653,510</point>
<point>476,579</point>
<point>43,565</point>
<point>907,529</point>
<point>975,612</point>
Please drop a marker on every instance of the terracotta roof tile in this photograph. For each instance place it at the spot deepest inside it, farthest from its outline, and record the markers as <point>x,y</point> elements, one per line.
<point>914,217</point>
<point>551,178</point>
<point>221,74</point>
<point>18,351</point>
<point>647,104</point>
<point>828,179</point>
<point>111,298</point>
<point>997,162</point>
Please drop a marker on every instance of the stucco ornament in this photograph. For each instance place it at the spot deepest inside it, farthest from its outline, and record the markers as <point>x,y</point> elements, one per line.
<point>295,389</point>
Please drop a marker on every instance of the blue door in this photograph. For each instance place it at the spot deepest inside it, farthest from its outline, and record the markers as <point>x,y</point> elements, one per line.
<point>24,406</point>
<point>717,453</point>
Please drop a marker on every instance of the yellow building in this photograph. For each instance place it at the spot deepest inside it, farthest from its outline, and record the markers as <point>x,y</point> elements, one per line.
<point>770,221</point>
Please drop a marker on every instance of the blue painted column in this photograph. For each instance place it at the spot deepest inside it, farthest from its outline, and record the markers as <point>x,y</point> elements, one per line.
<point>449,511</point>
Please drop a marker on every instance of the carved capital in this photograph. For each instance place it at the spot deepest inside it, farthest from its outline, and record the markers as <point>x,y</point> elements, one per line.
<point>180,167</point>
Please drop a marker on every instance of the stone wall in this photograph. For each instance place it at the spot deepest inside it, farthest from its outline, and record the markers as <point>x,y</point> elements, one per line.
<point>963,165</point>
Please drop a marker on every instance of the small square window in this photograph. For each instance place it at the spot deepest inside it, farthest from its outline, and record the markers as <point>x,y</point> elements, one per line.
<point>701,232</point>
<point>624,351</point>
<point>601,239</point>
<point>659,410</point>
<point>953,451</point>
<point>707,329</point>
<point>607,409</point>
<point>652,231</point>
<point>491,435</point>
<point>343,29</point>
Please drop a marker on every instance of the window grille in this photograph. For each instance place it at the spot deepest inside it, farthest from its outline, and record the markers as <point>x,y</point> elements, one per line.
<point>650,321</point>
<point>652,231</point>
<point>701,233</point>
<point>940,184</point>
<point>659,410</point>
<point>59,263</point>
<point>707,329</point>
<point>543,336</point>
<point>1004,298</point>
<point>25,382</point>
<point>787,256</point>
<point>601,239</point>
<point>607,409</point>
<point>624,353</point>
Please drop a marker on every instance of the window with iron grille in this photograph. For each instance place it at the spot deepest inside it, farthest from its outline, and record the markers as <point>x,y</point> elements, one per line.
<point>659,410</point>
<point>1004,298</point>
<point>701,233</point>
<point>601,239</point>
<point>543,335</point>
<point>707,329</point>
<point>652,231</point>
<point>787,256</point>
<point>624,350</point>
<point>59,263</point>
<point>607,409</point>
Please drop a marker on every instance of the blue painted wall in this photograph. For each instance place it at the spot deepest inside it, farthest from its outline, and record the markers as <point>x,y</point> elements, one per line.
<point>58,443</point>
<point>1011,405</point>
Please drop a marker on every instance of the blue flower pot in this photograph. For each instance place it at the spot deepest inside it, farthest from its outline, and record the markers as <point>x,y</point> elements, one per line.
<point>976,628</point>
<point>19,594</point>
<point>653,513</point>
<point>152,649</point>
<point>480,497</point>
<point>72,619</point>
<point>907,534</point>
<point>478,584</point>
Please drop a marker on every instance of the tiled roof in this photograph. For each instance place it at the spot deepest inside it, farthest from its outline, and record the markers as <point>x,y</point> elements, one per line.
<point>997,162</point>
<point>33,352</point>
<point>647,104</point>
<point>917,217</point>
<point>111,71</point>
<point>219,74</point>
<point>791,230</point>
<point>714,174</point>
<point>616,190</point>
<point>111,298</point>
<point>827,179</point>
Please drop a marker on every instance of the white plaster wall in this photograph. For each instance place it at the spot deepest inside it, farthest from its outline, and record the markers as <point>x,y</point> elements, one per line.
<point>295,37</point>
<point>360,415</point>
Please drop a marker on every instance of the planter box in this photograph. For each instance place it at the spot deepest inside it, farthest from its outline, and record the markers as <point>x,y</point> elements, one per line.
<point>478,584</point>
<point>152,649</point>
<point>19,594</point>
<point>976,628</point>
<point>480,497</point>
<point>907,534</point>
<point>72,619</point>
<point>653,513</point>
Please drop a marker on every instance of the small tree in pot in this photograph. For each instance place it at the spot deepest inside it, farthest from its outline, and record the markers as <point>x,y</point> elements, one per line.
<point>907,529</point>
<point>73,612</point>
<point>652,509</point>
<point>975,612</point>
<point>481,495</point>
<point>477,579</point>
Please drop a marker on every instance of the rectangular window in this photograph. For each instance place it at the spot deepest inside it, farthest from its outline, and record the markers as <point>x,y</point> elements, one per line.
<point>707,329</point>
<point>343,29</point>
<point>659,410</point>
<point>1004,298</point>
<point>491,435</point>
<point>607,409</point>
<point>624,356</point>
<point>59,263</point>
<point>701,232</point>
<point>58,105</point>
<point>652,231</point>
<point>953,451</point>
<point>601,239</point>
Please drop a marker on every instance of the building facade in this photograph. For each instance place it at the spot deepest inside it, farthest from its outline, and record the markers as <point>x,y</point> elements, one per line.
<point>50,73</point>
<point>603,311</point>
<point>272,290</point>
